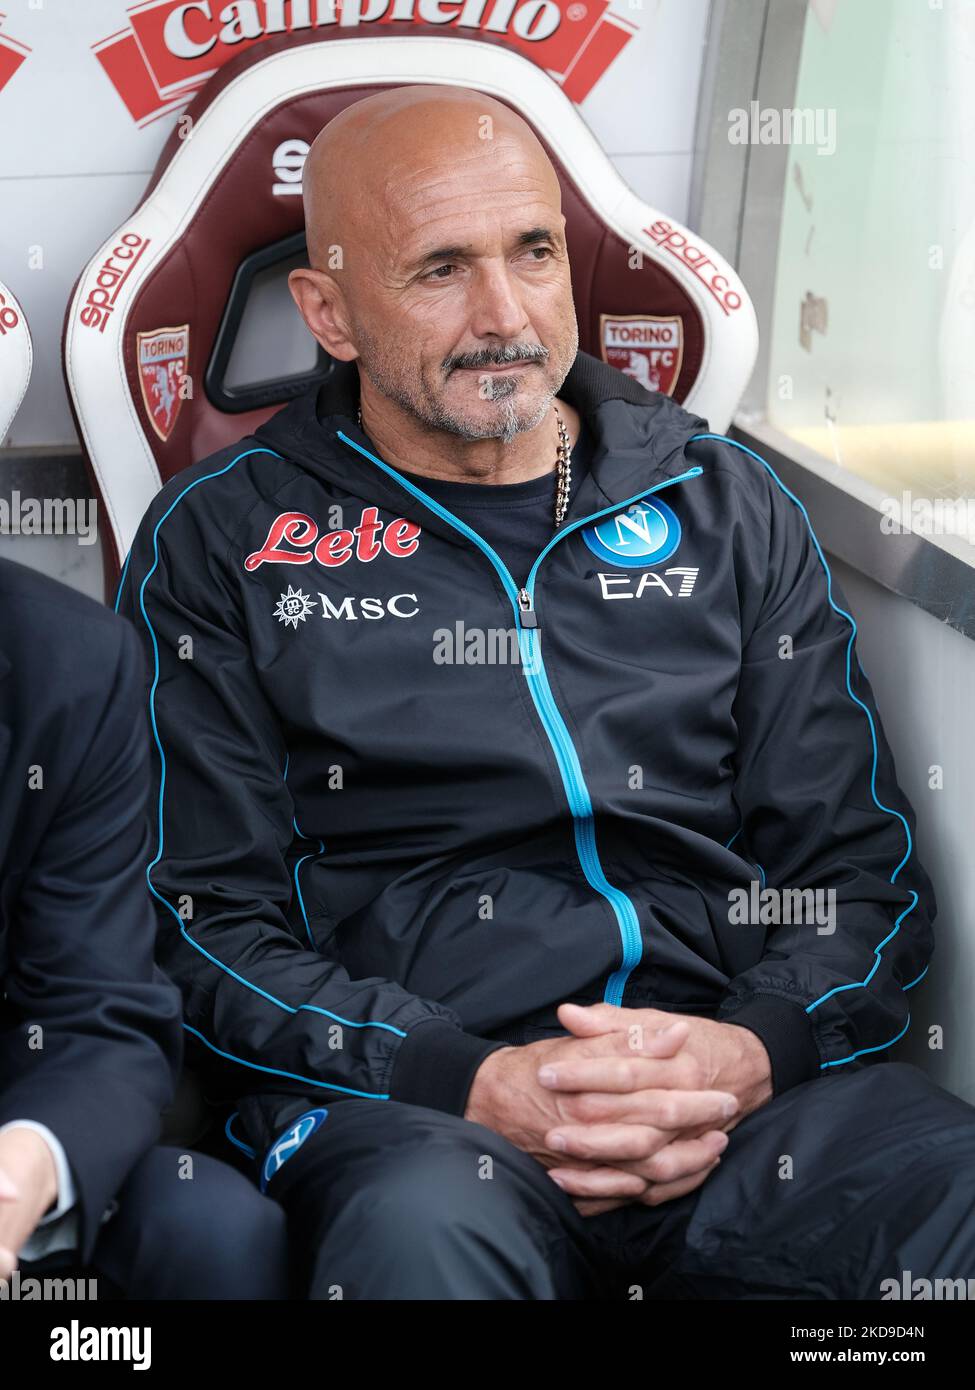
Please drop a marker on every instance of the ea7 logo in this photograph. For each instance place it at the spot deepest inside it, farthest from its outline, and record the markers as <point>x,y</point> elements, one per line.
<point>628,586</point>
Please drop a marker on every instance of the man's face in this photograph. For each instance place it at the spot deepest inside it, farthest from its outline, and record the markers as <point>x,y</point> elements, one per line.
<point>463,312</point>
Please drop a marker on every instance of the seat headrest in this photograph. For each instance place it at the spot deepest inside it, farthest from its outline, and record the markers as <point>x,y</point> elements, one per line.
<point>148,318</point>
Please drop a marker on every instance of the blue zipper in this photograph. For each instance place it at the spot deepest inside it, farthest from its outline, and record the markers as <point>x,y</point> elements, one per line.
<point>533,667</point>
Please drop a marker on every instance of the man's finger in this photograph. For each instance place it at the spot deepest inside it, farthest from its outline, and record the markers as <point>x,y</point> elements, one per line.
<point>665,1112</point>
<point>8,1188</point>
<point>598,1182</point>
<point>659,1192</point>
<point>590,1020</point>
<point>614,1143</point>
<point>658,1047</point>
<point>590,1206</point>
<point>8,1262</point>
<point>638,1148</point>
<point>681,1159</point>
<point>618,1075</point>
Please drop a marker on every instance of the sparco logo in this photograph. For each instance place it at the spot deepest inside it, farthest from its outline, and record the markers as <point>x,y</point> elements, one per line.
<point>110,278</point>
<point>9,318</point>
<point>675,243</point>
<point>288,162</point>
<point>332,548</point>
<point>171,48</point>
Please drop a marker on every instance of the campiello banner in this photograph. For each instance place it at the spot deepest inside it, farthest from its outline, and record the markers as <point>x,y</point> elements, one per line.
<point>169,48</point>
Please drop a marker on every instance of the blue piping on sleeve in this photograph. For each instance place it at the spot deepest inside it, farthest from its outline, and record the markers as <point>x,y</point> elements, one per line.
<point>301,899</point>
<point>248,984</point>
<point>888,810</point>
<point>275,1071</point>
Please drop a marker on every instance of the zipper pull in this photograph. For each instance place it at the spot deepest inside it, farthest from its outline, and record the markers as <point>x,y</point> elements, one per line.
<point>528,617</point>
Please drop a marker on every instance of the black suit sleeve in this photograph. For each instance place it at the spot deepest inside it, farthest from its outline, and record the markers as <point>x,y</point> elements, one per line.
<point>95,1036</point>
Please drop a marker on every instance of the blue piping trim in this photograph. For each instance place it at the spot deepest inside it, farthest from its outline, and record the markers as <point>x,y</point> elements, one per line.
<point>889,810</point>
<point>918,980</point>
<point>274,1071</point>
<point>121,580</point>
<point>301,899</point>
<point>320,850</point>
<point>248,984</point>
<point>237,1143</point>
<point>881,1047</point>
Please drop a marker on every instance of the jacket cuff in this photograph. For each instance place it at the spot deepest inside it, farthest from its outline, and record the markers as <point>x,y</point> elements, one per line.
<point>787,1034</point>
<point>435,1066</point>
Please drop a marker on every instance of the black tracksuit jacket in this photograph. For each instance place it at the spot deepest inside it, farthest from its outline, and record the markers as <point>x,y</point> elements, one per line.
<point>376,857</point>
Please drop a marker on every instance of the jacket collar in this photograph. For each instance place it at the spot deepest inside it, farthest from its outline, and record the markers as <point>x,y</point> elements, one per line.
<point>639,439</point>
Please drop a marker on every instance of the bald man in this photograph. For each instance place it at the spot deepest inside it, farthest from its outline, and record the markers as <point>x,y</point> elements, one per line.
<point>489,691</point>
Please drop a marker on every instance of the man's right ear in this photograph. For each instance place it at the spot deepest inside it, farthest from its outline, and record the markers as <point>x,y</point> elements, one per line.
<point>319,302</point>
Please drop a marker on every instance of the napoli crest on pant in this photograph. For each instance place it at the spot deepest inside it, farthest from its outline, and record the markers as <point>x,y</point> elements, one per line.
<point>289,1143</point>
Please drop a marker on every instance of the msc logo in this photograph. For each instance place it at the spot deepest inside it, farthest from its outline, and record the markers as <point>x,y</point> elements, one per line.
<point>295,606</point>
<point>290,1142</point>
<point>648,532</point>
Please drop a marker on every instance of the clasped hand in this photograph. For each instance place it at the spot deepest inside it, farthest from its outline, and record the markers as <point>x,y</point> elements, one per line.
<point>633,1106</point>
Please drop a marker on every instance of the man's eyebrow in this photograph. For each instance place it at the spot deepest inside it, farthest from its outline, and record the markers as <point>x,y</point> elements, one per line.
<point>449,253</point>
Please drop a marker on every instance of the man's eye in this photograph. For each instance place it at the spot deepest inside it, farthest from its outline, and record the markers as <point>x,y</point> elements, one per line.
<point>545,250</point>
<point>435,274</point>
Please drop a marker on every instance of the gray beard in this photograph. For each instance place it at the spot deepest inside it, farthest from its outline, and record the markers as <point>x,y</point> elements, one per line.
<point>505,427</point>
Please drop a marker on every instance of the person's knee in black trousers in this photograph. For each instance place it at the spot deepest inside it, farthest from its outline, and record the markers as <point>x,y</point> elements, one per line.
<point>390,1201</point>
<point>191,1227</point>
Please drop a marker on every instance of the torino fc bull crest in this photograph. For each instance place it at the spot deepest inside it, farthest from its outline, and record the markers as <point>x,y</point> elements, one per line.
<point>647,348</point>
<point>163,358</point>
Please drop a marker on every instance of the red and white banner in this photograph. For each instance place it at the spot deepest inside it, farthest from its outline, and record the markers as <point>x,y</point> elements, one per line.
<point>12,54</point>
<point>171,47</point>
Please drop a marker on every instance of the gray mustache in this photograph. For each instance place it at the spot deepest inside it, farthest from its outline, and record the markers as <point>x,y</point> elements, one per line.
<point>489,358</point>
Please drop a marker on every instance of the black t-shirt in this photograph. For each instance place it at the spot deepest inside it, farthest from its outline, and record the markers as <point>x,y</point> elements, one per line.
<point>516,519</point>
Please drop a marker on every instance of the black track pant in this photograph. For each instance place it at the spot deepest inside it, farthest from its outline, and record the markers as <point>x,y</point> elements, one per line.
<point>834,1187</point>
<point>204,1233</point>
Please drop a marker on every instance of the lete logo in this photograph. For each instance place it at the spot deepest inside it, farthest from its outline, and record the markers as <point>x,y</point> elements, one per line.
<point>333,548</point>
<point>648,532</point>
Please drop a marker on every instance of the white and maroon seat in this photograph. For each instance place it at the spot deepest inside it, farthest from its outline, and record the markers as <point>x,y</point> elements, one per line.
<point>16,358</point>
<point>162,287</point>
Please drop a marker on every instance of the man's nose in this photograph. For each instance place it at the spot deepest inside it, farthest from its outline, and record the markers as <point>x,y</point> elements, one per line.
<point>497,309</point>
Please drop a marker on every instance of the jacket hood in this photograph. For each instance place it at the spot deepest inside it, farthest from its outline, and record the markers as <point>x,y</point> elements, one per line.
<point>639,436</point>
